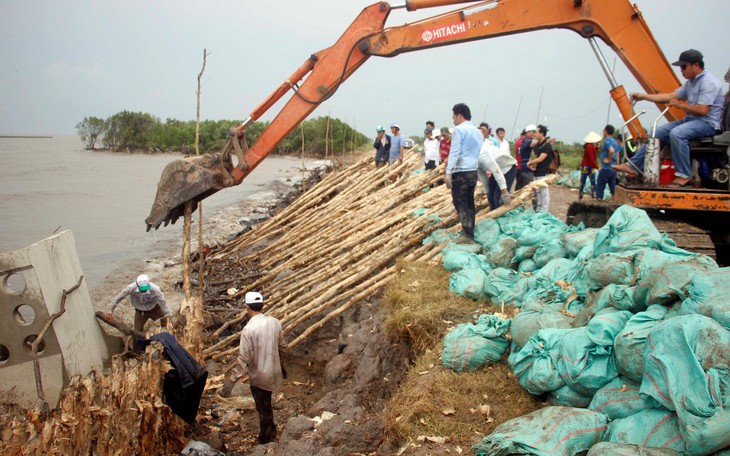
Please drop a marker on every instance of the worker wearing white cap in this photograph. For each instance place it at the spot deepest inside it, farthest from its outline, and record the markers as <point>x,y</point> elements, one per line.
<point>148,301</point>
<point>261,355</point>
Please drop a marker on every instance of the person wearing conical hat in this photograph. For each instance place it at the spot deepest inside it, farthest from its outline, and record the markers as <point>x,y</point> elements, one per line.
<point>589,165</point>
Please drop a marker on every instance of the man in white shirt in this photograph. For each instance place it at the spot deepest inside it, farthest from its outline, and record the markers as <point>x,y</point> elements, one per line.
<point>501,165</point>
<point>261,354</point>
<point>430,150</point>
<point>503,143</point>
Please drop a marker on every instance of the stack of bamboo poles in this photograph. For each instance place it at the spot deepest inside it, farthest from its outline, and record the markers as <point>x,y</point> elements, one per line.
<point>337,244</point>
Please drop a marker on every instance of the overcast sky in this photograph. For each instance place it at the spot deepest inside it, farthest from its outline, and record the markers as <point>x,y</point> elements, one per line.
<point>63,61</point>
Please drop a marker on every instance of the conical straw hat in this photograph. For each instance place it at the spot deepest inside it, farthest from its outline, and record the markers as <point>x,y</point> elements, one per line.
<point>592,137</point>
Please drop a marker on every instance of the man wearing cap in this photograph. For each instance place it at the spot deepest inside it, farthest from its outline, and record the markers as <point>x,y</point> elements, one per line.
<point>524,173</point>
<point>148,302</point>
<point>261,355</point>
<point>500,164</point>
<point>382,147</point>
<point>396,144</point>
<point>700,97</point>
<point>430,150</point>
<point>461,169</point>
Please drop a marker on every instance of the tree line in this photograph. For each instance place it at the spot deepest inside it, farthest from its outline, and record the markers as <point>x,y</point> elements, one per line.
<point>139,131</point>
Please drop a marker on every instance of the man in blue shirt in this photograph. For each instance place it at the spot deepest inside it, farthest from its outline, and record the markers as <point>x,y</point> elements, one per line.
<point>382,147</point>
<point>396,145</point>
<point>461,169</point>
<point>609,158</point>
<point>701,99</point>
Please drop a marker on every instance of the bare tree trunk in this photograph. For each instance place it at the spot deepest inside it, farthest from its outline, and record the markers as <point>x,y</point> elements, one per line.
<point>197,117</point>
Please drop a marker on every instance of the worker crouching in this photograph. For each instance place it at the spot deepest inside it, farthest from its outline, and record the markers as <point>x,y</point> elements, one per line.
<point>261,354</point>
<point>148,301</point>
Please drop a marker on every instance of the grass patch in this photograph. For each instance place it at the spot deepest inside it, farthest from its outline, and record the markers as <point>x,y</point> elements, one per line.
<point>464,407</point>
<point>420,308</point>
<point>433,400</point>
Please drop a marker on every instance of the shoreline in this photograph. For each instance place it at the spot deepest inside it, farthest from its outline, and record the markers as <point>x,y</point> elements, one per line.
<point>163,264</point>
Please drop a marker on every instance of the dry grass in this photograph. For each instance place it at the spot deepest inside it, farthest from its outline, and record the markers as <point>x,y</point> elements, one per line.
<point>420,308</point>
<point>433,400</point>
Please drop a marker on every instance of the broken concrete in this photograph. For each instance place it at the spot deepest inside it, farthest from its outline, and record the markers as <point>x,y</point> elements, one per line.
<point>32,281</point>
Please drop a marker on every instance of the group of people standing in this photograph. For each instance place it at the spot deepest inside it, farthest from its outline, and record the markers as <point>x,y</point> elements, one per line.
<point>473,154</point>
<point>611,149</point>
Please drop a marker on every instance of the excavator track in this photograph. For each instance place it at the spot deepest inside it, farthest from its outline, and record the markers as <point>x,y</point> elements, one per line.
<point>698,232</point>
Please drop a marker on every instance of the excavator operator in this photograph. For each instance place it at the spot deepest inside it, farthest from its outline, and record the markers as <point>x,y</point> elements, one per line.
<point>701,99</point>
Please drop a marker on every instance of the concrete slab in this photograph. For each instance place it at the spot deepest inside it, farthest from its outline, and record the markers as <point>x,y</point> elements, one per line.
<point>32,281</point>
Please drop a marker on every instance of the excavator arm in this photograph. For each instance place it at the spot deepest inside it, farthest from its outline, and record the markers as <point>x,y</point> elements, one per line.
<point>616,22</point>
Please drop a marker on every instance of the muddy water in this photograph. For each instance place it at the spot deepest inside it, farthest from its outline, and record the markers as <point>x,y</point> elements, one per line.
<point>52,184</point>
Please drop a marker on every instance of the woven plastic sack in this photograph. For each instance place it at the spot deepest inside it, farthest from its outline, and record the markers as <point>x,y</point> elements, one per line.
<point>616,268</point>
<point>548,431</point>
<point>468,282</point>
<point>629,344</point>
<point>618,399</point>
<point>663,275</point>
<point>505,286</point>
<point>574,242</point>
<point>486,232</point>
<point>455,260</point>
<point>550,250</point>
<point>515,221</point>
<point>535,317</point>
<point>439,236</point>
<point>619,296</point>
<point>627,229</point>
<point>708,294</point>
<point>568,397</point>
<point>535,365</point>
<point>526,266</point>
<point>586,360</point>
<point>525,252</point>
<point>469,346</point>
<point>649,428</point>
<point>501,253</point>
<point>686,369</point>
<point>623,449</point>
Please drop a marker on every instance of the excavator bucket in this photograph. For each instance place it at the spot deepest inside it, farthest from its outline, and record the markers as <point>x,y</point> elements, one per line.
<point>188,179</point>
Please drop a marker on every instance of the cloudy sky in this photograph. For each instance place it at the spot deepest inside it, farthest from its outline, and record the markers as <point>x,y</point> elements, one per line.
<point>63,61</point>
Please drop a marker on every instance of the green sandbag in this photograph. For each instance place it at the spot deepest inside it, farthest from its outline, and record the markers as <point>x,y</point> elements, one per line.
<point>526,266</point>
<point>708,294</point>
<point>439,236</point>
<point>587,361</point>
<point>662,275</point>
<point>470,346</point>
<point>548,431</point>
<point>568,397</point>
<point>534,317</point>
<point>629,344</point>
<point>618,399</point>
<point>616,268</point>
<point>687,369</point>
<point>455,260</point>
<point>505,286</point>
<point>622,449</point>
<point>535,365</point>
<point>526,252</point>
<point>559,269</point>
<point>619,296</point>
<point>486,232</point>
<point>650,428</point>
<point>469,282</point>
<point>575,241</point>
<point>501,253</point>
<point>628,228</point>
<point>548,251</point>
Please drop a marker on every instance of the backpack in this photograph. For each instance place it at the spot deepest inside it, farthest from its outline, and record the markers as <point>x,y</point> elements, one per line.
<point>555,164</point>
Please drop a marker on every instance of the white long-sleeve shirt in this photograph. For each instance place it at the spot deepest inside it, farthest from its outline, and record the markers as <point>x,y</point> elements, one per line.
<point>142,300</point>
<point>258,353</point>
<point>487,162</point>
<point>431,150</point>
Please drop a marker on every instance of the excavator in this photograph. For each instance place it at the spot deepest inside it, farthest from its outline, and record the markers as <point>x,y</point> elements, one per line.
<point>617,23</point>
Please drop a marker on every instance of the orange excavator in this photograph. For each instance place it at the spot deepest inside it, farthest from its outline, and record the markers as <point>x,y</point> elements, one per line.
<point>617,23</point>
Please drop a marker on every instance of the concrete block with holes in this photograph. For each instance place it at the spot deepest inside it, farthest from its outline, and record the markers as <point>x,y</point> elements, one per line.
<point>32,281</point>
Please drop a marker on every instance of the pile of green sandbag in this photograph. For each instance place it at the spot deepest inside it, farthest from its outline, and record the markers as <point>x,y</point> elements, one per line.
<point>616,321</point>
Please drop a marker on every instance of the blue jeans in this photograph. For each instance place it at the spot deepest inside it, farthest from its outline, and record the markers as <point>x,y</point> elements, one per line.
<point>462,195</point>
<point>606,176</point>
<point>679,133</point>
<point>495,194</point>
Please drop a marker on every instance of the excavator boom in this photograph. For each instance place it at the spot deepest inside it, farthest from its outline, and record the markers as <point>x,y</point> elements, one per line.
<point>616,22</point>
